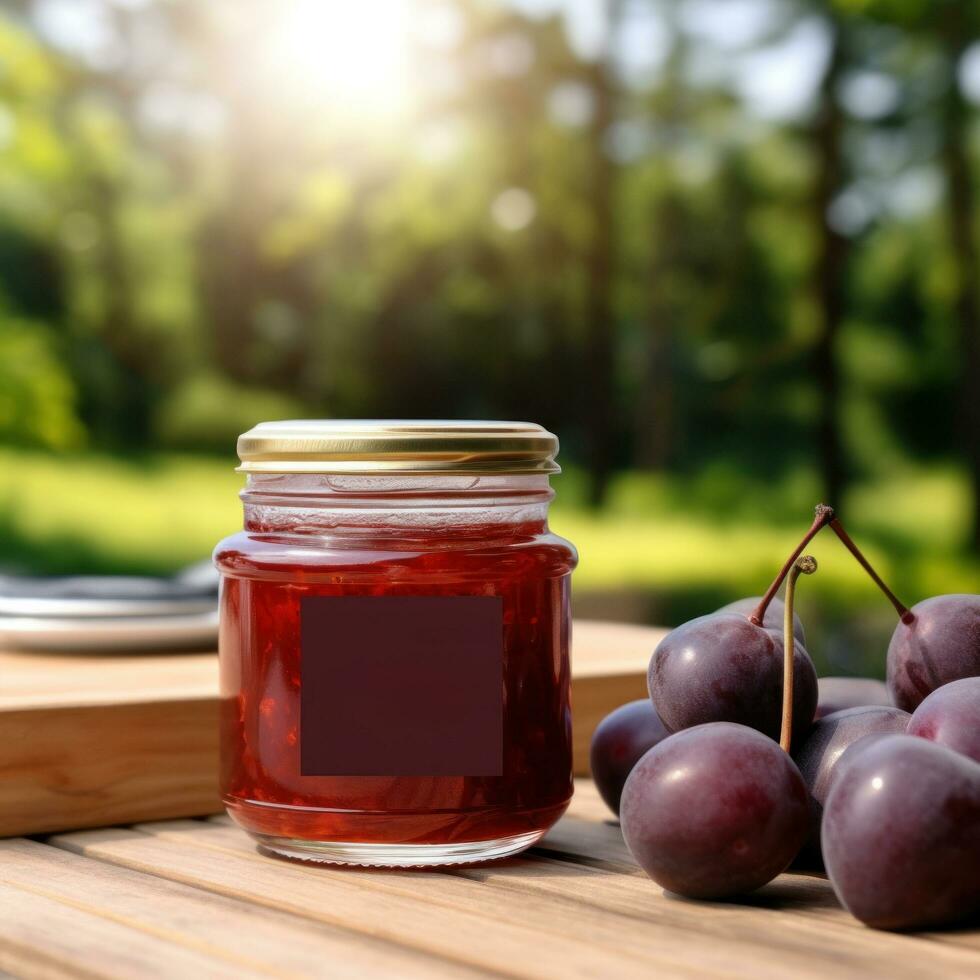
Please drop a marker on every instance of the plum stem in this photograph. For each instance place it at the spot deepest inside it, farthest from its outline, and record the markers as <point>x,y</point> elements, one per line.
<point>904,613</point>
<point>806,565</point>
<point>823,516</point>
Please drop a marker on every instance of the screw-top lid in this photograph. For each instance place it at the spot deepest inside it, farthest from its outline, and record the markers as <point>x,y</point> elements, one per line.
<point>364,446</point>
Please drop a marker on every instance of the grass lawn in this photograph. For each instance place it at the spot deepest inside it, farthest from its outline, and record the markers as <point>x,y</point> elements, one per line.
<point>682,546</point>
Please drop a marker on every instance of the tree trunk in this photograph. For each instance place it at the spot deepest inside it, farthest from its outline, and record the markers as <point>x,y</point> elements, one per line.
<point>655,402</point>
<point>597,396</point>
<point>961,204</point>
<point>829,275</point>
<point>125,416</point>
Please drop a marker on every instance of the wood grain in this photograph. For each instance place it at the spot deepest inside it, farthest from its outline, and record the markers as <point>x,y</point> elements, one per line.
<point>46,680</point>
<point>572,909</point>
<point>89,766</point>
<point>246,938</point>
<point>589,836</point>
<point>43,937</point>
<point>399,907</point>
<point>95,740</point>
<point>609,668</point>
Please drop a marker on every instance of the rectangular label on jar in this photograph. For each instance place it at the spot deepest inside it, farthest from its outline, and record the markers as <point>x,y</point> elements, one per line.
<point>401,686</point>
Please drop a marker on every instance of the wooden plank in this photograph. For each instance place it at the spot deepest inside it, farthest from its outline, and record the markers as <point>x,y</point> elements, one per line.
<point>96,740</point>
<point>247,938</point>
<point>589,833</point>
<point>442,913</point>
<point>771,925</point>
<point>41,937</point>
<point>89,766</point>
<point>589,836</point>
<point>609,668</point>
<point>588,840</point>
<point>589,827</point>
<point>47,680</point>
<point>93,740</point>
<point>619,917</point>
<point>747,933</point>
<point>601,649</point>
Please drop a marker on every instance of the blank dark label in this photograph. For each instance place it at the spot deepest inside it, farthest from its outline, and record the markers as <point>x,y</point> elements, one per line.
<point>401,686</point>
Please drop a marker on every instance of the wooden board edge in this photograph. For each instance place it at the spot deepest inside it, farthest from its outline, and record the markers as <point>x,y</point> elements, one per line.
<point>72,767</point>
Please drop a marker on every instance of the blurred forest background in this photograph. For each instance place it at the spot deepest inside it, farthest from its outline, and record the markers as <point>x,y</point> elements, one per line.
<point>727,249</point>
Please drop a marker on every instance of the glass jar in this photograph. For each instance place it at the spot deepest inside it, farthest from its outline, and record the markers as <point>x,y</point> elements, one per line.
<point>394,642</point>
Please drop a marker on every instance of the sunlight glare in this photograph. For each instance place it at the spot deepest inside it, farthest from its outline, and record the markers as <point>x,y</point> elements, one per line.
<point>353,53</point>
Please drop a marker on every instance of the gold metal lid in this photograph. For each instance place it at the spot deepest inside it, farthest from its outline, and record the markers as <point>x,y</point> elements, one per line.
<point>364,446</point>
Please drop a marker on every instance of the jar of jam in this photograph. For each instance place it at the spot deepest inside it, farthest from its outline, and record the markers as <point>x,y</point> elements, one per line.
<point>394,642</point>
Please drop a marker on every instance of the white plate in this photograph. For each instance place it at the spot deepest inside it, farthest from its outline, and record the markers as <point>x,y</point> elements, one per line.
<point>50,607</point>
<point>86,633</point>
<point>194,591</point>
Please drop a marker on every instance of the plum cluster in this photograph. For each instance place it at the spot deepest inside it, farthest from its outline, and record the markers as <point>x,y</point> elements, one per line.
<point>742,763</point>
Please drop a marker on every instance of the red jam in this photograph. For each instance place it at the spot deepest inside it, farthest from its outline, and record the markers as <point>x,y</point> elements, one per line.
<point>287,553</point>
<point>266,576</point>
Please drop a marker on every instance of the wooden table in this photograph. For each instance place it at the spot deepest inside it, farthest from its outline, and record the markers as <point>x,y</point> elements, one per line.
<point>194,898</point>
<point>88,740</point>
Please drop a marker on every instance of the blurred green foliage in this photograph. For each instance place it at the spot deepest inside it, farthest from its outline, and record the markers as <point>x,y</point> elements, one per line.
<point>209,412</point>
<point>664,549</point>
<point>157,512</point>
<point>37,404</point>
<point>734,310</point>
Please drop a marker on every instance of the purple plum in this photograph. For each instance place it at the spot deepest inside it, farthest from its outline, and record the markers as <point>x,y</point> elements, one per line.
<point>901,834</point>
<point>940,643</point>
<point>722,667</point>
<point>950,716</point>
<point>838,693</point>
<point>773,619</point>
<point>820,753</point>
<point>617,744</point>
<point>714,811</point>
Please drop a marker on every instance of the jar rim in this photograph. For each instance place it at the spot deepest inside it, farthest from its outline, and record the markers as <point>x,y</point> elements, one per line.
<point>393,446</point>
